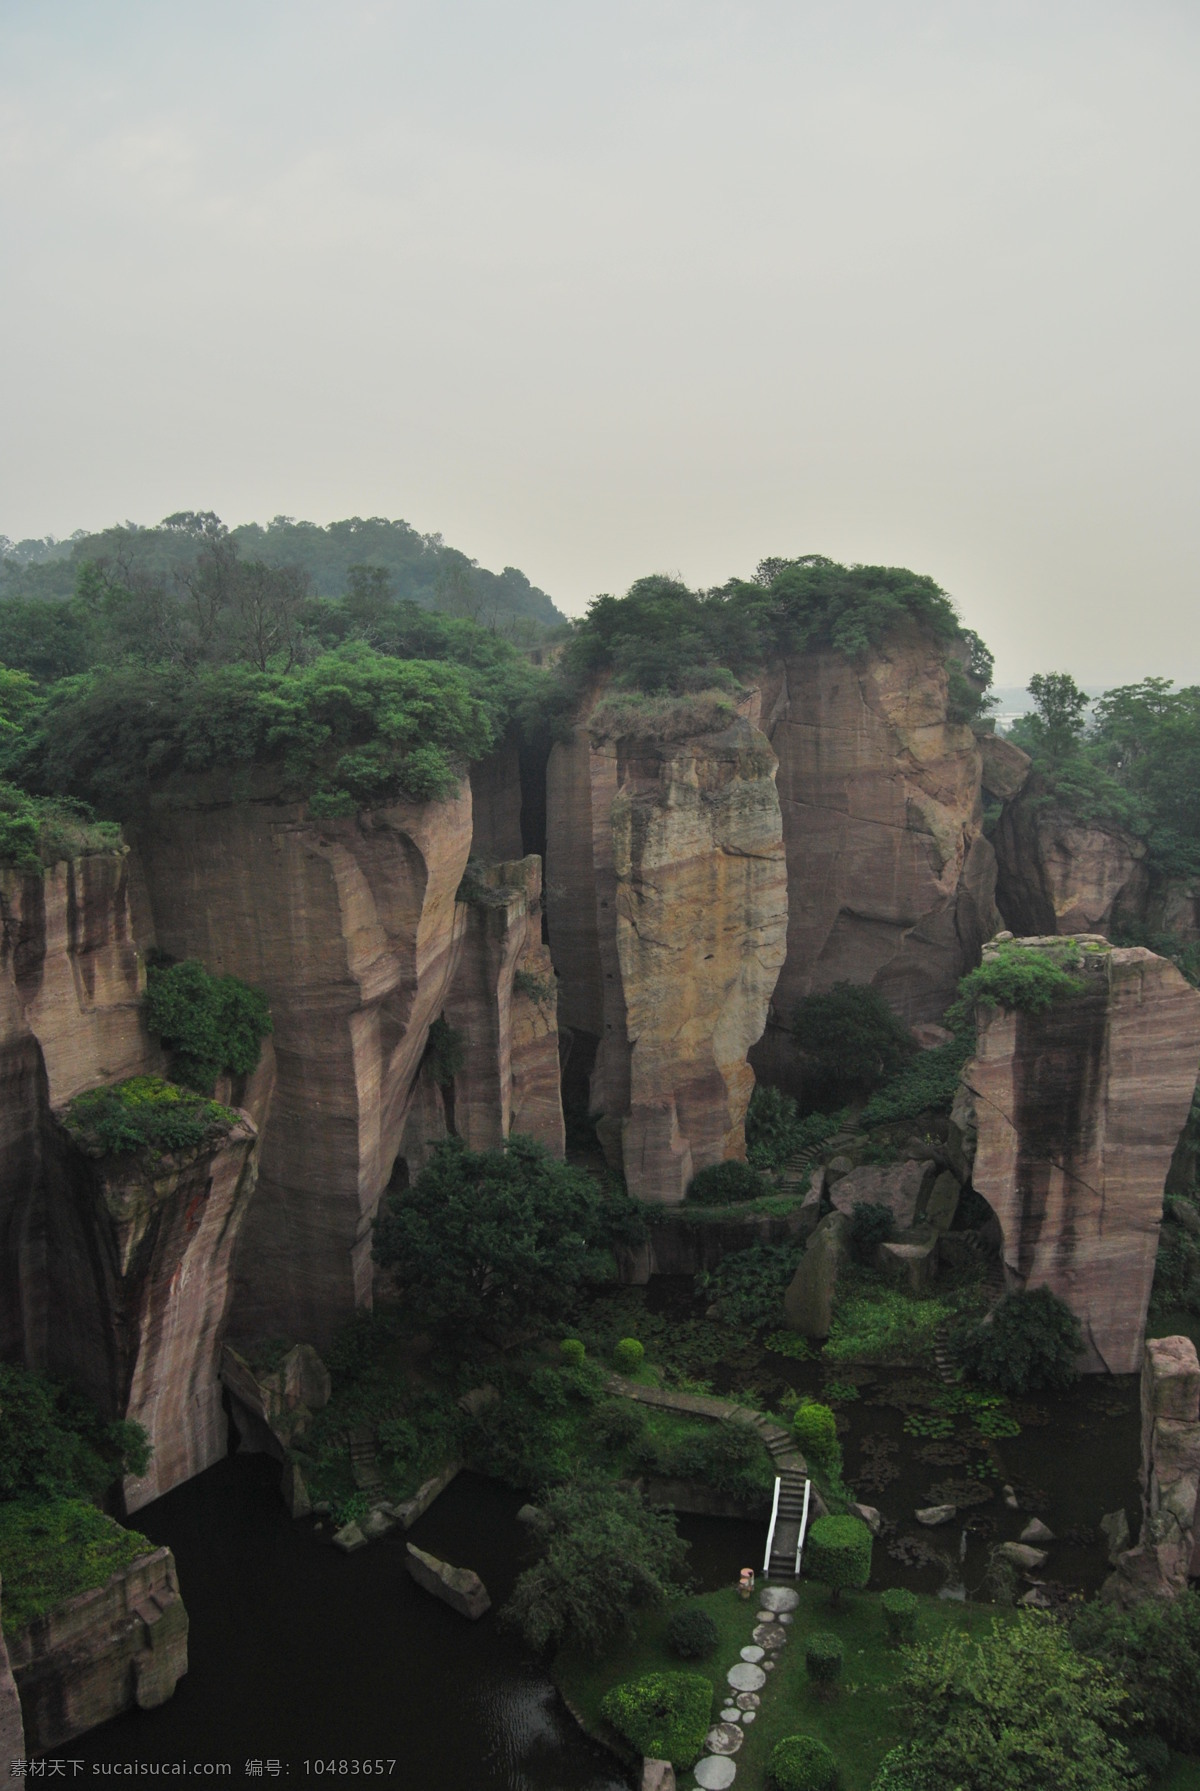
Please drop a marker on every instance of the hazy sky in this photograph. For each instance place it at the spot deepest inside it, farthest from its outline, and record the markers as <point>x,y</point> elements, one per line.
<point>604,287</point>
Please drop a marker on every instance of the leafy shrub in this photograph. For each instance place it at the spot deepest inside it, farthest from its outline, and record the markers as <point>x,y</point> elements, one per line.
<point>618,1424</point>
<point>775,1132</point>
<point>572,1350</point>
<point>624,715</point>
<point>664,1716</point>
<point>1027,977</point>
<point>870,1226</point>
<point>54,1549</point>
<point>54,1441</point>
<point>629,1355</point>
<point>728,1456</point>
<point>748,1286</point>
<point>145,1113</point>
<point>926,1084</point>
<point>41,830</point>
<point>838,1553</point>
<point>1155,1650</point>
<point>606,1557</point>
<point>849,1041</point>
<point>1031,1343</point>
<point>691,1633</point>
<point>885,1326</point>
<point>209,1023</point>
<point>823,1659</point>
<point>900,1608</point>
<point>722,1183</point>
<point>802,1763</point>
<point>816,1430</point>
<point>445,1052</point>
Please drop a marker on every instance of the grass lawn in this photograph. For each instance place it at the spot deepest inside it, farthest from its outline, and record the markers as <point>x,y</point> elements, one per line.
<point>859,1724</point>
<point>1183,1774</point>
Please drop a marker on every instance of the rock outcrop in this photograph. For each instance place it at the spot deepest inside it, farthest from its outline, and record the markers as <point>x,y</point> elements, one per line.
<point>1159,1565</point>
<point>121,1646</point>
<point>1077,1111</point>
<point>459,1587</point>
<point>890,878</point>
<point>137,1258</point>
<point>808,1302</point>
<point>1056,874</point>
<point>351,928</point>
<point>668,904</point>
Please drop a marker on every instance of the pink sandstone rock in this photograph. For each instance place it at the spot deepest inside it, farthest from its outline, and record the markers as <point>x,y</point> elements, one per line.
<point>1077,1112</point>
<point>1058,875</point>
<point>1159,1565</point>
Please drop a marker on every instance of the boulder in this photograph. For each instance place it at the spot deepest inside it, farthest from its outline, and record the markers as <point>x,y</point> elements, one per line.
<point>349,1538</point>
<point>657,1775</point>
<point>306,1380</point>
<point>1077,1112</point>
<point>1114,1526</point>
<point>458,1587</point>
<point>898,1186</point>
<point>836,1168</point>
<point>933,1515</point>
<point>911,1258</point>
<point>1037,1532</point>
<point>1022,1555</point>
<point>377,1523</point>
<point>293,1490</point>
<point>808,1302</point>
<point>928,1035</point>
<point>1005,768</point>
<point>942,1202</point>
<point>869,1515</point>
<point>1057,874</point>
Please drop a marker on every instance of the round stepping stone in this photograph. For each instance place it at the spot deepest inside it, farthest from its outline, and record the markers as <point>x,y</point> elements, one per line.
<point>747,1700</point>
<point>770,1635</point>
<point>768,1666</point>
<point>749,1716</point>
<point>753,1653</point>
<point>724,1738</point>
<point>786,1617</point>
<point>731,1715</point>
<point>715,1772</point>
<point>779,1598</point>
<point>765,1617</point>
<point>744,1677</point>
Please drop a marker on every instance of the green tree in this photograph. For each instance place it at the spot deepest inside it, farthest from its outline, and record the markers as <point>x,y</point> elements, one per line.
<point>1019,1711</point>
<point>491,1242</point>
<point>210,1023</point>
<point>1029,1343</point>
<point>1154,1650</point>
<point>606,1557</point>
<point>54,1443</point>
<point>850,1042</point>
<point>838,1553</point>
<point>1060,714</point>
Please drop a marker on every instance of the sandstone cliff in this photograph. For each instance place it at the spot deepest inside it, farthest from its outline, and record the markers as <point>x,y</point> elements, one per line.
<point>1159,1565</point>
<point>890,878</point>
<point>351,928</point>
<point>1056,874</point>
<point>1077,1113</point>
<point>667,905</point>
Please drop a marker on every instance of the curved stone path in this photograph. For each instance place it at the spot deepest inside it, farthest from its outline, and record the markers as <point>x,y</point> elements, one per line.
<point>747,1682</point>
<point>780,1443</point>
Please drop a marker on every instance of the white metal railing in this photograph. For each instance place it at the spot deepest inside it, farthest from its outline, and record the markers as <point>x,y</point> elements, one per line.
<point>803,1525</point>
<point>771,1531</point>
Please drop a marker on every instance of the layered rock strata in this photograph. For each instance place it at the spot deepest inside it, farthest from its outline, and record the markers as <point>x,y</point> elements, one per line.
<point>1076,1112</point>
<point>1159,1565</point>
<point>351,928</point>
<point>121,1646</point>
<point>1056,874</point>
<point>668,908</point>
<point>891,880</point>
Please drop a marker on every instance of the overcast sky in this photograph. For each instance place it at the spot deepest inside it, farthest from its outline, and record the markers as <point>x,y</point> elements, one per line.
<point>605,287</point>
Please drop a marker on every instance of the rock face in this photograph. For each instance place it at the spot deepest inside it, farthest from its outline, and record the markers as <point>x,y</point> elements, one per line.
<point>1160,1564</point>
<point>352,930</point>
<point>668,907</point>
<point>94,1656</point>
<point>503,1001</point>
<point>890,879</point>
<point>900,1187</point>
<point>1057,875</point>
<point>808,1302</point>
<point>137,1275</point>
<point>1077,1112</point>
<point>458,1587</point>
<point>12,1732</point>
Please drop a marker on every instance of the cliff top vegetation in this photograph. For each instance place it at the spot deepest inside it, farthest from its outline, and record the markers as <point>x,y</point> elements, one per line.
<point>54,1550</point>
<point>145,1113</point>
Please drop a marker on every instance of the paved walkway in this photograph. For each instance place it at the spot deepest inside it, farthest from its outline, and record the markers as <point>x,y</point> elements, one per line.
<point>780,1442</point>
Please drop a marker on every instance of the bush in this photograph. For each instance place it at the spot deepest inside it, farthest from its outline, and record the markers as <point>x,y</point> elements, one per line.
<point>838,1553</point>
<point>145,1113</point>
<point>41,830</point>
<point>885,1326</point>
<point>445,1052</point>
<point>53,1550</point>
<point>209,1023</point>
<point>900,1608</point>
<point>850,1042</point>
<point>870,1226</point>
<point>1155,1649</point>
<point>775,1132</point>
<point>802,1763</point>
<point>728,1456</point>
<point>692,1634</point>
<point>721,1184</point>
<point>1030,1343</point>
<point>664,1716</point>
<point>1025,977</point>
<point>816,1431</point>
<point>54,1441</point>
<point>748,1286</point>
<point>928,1083</point>
<point>618,1424</point>
<point>572,1350</point>
<point>628,1355</point>
<point>823,1658</point>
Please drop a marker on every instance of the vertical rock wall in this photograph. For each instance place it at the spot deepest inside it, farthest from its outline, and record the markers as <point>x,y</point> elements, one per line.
<point>352,930</point>
<point>12,1732</point>
<point>1078,1111</point>
<point>1058,875</point>
<point>890,879</point>
<point>668,904</point>
<point>1159,1565</point>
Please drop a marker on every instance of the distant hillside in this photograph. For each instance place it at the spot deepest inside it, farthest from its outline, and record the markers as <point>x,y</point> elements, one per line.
<point>419,567</point>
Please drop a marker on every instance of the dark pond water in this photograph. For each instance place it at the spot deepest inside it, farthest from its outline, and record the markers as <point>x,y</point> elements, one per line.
<point>299,1653</point>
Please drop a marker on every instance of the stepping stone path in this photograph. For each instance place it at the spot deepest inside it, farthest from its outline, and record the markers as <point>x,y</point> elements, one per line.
<point>715,1770</point>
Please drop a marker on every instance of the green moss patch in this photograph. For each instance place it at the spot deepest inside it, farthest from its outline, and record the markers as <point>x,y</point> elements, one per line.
<point>53,1551</point>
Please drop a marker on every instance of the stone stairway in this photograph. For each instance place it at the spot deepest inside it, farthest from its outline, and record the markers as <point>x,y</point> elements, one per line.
<point>782,1565</point>
<point>993,1281</point>
<point>797,1167</point>
<point>364,1464</point>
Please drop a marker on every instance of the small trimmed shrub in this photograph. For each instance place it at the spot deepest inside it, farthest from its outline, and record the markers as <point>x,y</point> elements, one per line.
<point>692,1634</point>
<point>900,1608</point>
<point>572,1351</point>
<point>870,1226</point>
<point>816,1431</point>
<point>664,1716</point>
<point>721,1184</point>
<point>802,1763</point>
<point>629,1355</point>
<point>824,1659</point>
<point>1030,1343</point>
<point>838,1553</point>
